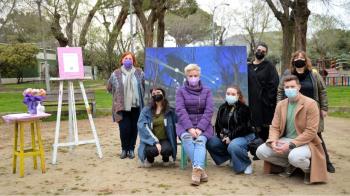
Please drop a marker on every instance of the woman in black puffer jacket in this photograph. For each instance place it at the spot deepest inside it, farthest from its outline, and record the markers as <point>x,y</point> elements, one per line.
<point>233,133</point>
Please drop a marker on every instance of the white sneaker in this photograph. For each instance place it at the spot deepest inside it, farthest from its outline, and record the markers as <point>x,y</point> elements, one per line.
<point>248,170</point>
<point>147,164</point>
<point>166,164</point>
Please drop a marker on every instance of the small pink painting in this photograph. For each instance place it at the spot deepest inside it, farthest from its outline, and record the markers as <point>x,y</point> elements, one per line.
<point>70,63</point>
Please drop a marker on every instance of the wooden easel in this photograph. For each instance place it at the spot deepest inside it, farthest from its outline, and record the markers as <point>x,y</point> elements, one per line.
<point>73,126</point>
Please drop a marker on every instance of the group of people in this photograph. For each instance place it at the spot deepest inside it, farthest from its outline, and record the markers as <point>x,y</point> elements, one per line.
<point>286,115</point>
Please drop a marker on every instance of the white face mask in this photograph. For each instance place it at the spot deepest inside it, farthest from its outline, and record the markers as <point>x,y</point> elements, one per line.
<point>291,93</point>
<point>230,99</point>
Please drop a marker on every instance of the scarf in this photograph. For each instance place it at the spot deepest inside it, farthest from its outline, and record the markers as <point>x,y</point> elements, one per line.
<point>129,97</point>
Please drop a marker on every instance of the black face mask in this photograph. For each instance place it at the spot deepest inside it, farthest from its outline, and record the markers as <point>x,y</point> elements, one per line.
<point>299,63</point>
<point>157,98</point>
<point>259,55</point>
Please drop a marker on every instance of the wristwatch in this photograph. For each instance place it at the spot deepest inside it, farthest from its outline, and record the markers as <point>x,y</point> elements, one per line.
<point>291,146</point>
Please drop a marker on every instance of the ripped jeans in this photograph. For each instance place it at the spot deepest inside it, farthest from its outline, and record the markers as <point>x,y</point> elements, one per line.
<point>195,149</point>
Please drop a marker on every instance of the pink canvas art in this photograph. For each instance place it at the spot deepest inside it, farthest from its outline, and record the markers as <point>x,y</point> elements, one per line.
<point>70,63</point>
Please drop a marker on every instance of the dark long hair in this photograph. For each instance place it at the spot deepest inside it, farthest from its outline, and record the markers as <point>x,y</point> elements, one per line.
<point>165,102</point>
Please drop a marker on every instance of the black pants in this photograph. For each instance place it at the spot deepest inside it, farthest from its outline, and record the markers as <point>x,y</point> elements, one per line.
<point>152,151</point>
<point>324,148</point>
<point>128,128</point>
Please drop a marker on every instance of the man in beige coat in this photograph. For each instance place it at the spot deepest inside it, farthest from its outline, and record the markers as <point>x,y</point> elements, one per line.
<point>293,141</point>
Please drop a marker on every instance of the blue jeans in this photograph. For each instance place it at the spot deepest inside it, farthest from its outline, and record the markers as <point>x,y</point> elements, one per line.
<point>195,148</point>
<point>236,151</point>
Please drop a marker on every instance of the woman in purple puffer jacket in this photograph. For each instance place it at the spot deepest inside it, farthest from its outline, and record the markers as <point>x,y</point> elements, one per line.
<point>194,110</point>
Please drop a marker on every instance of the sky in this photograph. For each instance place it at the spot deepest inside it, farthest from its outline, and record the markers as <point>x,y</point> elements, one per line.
<point>228,7</point>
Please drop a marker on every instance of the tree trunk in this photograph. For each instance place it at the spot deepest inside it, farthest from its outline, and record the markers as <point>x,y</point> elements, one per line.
<point>56,30</point>
<point>287,45</point>
<point>221,37</point>
<point>149,32</point>
<point>286,19</point>
<point>301,16</point>
<point>84,30</point>
<point>113,37</point>
<point>148,23</point>
<point>69,32</point>
<point>161,25</point>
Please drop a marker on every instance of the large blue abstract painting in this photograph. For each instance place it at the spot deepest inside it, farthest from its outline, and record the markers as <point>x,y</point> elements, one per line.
<point>220,67</point>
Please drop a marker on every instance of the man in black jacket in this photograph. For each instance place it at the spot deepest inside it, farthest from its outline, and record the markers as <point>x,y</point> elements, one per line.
<point>263,81</point>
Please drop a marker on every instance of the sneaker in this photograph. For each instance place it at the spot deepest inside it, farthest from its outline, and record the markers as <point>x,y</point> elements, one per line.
<point>124,154</point>
<point>248,170</point>
<point>204,176</point>
<point>147,164</point>
<point>307,178</point>
<point>288,171</point>
<point>330,168</point>
<point>196,176</point>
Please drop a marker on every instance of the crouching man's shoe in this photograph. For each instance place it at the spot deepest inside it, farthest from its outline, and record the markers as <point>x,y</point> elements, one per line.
<point>307,178</point>
<point>288,171</point>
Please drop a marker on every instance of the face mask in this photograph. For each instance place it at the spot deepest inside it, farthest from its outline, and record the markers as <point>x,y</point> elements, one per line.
<point>157,98</point>
<point>230,99</point>
<point>299,63</point>
<point>259,55</point>
<point>127,63</point>
<point>291,92</point>
<point>193,81</point>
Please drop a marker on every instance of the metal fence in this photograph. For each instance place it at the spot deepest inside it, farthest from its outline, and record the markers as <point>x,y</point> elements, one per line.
<point>338,81</point>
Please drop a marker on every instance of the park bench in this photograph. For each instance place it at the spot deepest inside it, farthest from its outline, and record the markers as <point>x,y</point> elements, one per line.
<point>51,99</point>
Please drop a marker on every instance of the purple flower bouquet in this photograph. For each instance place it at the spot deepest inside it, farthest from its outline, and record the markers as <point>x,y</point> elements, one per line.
<point>32,97</point>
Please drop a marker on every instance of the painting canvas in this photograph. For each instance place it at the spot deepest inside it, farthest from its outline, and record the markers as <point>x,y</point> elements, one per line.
<point>221,67</point>
<point>70,63</point>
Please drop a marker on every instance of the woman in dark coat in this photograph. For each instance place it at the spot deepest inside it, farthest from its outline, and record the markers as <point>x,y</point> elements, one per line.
<point>262,90</point>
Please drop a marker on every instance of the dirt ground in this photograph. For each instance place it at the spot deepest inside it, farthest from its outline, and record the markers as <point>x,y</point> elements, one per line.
<point>80,172</point>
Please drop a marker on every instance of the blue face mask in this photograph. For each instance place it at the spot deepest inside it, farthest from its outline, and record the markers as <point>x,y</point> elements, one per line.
<point>291,92</point>
<point>230,99</point>
<point>128,63</point>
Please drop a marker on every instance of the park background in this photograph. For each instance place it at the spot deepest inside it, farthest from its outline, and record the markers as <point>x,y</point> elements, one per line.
<point>31,30</point>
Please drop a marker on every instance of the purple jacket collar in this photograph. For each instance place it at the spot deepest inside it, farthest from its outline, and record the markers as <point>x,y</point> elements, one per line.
<point>196,90</point>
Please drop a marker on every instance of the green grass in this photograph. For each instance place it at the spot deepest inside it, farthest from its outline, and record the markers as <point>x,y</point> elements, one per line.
<point>340,114</point>
<point>338,96</point>
<point>12,101</point>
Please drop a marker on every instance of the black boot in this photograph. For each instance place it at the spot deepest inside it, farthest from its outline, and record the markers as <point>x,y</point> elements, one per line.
<point>131,154</point>
<point>330,167</point>
<point>123,155</point>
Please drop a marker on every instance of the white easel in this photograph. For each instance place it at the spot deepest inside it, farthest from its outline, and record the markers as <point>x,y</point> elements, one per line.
<point>73,126</point>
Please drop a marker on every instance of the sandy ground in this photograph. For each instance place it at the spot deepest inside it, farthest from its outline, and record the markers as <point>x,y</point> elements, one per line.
<point>80,172</point>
